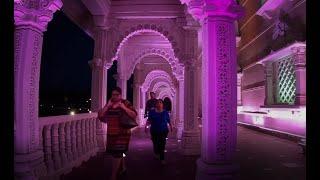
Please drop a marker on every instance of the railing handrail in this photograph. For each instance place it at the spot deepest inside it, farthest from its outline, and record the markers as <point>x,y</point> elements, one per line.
<point>43,121</point>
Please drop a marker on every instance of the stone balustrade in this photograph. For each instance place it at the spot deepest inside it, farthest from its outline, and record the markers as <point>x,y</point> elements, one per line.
<point>67,141</point>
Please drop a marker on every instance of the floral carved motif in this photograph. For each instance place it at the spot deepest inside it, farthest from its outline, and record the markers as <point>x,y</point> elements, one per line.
<point>34,86</point>
<point>224,91</point>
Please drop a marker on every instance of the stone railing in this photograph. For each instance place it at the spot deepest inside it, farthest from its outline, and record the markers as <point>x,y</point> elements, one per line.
<point>67,141</point>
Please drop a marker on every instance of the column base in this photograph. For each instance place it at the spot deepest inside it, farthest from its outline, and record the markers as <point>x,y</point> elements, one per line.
<point>29,166</point>
<point>179,130</point>
<point>300,100</point>
<point>190,143</point>
<point>207,171</point>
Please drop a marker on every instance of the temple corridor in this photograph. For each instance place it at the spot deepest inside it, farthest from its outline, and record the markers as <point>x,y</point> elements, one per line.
<point>218,63</point>
<point>259,155</point>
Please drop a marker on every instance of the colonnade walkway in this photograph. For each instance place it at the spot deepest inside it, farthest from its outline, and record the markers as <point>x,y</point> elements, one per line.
<point>260,157</point>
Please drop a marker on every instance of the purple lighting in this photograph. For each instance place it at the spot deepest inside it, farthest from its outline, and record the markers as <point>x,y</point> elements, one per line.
<point>213,69</point>
<point>286,120</point>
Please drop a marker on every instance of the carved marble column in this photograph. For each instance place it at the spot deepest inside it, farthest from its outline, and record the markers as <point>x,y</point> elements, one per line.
<point>181,108</point>
<point>219,88</point>
<point>299,56</point>
<point>100,65</point>
<point>177,112</point>
<point>122,83</point>
<point>30,19</point>
<point>137,93</point>
<point>174,110</point>
<point>99,96</point>
<point>99,84</point>
<point>239,93</point>
<point>143,101</point>
<point>269,83</point>
<point>190,133</point>
<point>136,100</point>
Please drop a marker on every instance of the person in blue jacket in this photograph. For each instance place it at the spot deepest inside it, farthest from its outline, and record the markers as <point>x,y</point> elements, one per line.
<point>159,120</point>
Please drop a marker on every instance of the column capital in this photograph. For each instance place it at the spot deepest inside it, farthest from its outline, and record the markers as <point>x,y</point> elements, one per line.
<point>192,31</point>
<point>36,15</point>
<point>99,63</point>
<point>226,8</point>
<point>299,49</point>
<point>268,68</point>
<point>101,22</point>
<point>179,78</point>
<point>299,55</point>
<point>202,9</point>
<point>100,29</point>
<point>190,64</point>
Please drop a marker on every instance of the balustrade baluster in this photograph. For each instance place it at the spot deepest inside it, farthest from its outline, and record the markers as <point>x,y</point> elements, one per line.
<point>62,144</point>
<point>47,149</point>
<point>87,134</point>
<point>74,140</point>
<point>83,138</point>
<point>68,141</point>
<point>91,135</point>
<point>55,146</point>
<point>78,130</point>
<point>95,133</point>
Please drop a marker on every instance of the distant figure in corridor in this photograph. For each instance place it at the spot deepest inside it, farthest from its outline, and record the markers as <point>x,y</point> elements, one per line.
<point>151,104</point>
<point>167,104</point>
<point>117,137</point>
<point>159,120</point>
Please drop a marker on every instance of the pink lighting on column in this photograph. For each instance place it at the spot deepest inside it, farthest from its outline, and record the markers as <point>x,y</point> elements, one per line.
<point>219,90</point>
<point>30,20</point>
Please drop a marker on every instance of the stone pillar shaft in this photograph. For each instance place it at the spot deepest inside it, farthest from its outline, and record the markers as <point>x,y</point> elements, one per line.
<point>219,91</point>
<point>136,100</point>
<point>98,85</point>
<point>190,133</point>
<point>181,109</point>
<point>100,65</point>
<point>30,19</point>
<point>122,83</point>
<point>269,88</point>
<point>239,82</point>
<point>300,72</point>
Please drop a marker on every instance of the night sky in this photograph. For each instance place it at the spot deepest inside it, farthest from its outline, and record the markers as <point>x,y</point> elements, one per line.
<point>65,73</point>
<point>65,55</point>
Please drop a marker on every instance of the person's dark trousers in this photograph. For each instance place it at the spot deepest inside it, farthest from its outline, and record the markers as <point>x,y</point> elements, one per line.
<point>159,142</point>
<point>154,138</point>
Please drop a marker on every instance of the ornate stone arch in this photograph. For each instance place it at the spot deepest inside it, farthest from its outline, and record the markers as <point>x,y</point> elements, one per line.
<point>166,92</point>
<point>163,30</point>
<point>168,55</point>
<point>159,85</point>
<point>154,75</point>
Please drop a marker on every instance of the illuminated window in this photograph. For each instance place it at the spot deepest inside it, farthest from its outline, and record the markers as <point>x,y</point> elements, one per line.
<point>285,81</point>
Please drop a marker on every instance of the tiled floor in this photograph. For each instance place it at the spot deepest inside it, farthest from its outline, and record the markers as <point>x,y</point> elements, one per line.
<point>260,157</point>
